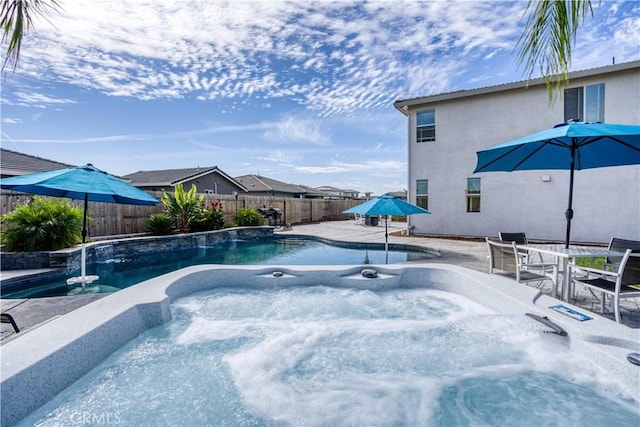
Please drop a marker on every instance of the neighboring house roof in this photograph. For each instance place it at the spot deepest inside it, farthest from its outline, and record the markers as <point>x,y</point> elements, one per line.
<point>312,192</point>
<point>173,177</point>
<point>338,192</point>
<point>257,183</point>
<point>398,194</point>
<point>13,163</point>
<point>330,189</point>
<point>403,104</point>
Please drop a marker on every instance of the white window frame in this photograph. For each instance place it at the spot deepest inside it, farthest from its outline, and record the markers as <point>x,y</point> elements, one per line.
<point>473,197</point>
<point>422,196</point>
<point>591,102</point>
<point>426,132</point>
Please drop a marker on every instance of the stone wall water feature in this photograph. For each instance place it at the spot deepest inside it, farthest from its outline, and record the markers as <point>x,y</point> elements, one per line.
<point>69,259</point>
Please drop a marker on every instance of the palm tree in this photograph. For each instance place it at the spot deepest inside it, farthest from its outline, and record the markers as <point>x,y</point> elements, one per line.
<point>547,39</point>
<point>16,19</point>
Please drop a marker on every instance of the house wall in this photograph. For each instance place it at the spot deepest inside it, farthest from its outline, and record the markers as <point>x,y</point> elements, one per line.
<point>606,201</point>
<point>214,182</point>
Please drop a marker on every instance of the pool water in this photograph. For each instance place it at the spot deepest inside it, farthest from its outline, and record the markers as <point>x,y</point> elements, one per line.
<point>122,272</point>
<point>319,356</point>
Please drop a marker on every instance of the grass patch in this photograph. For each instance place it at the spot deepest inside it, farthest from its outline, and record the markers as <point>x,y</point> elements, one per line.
<point>595,262</point>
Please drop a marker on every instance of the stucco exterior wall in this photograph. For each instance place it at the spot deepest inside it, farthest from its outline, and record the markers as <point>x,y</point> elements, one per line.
<point>606,202</point>
<point>213,182</point>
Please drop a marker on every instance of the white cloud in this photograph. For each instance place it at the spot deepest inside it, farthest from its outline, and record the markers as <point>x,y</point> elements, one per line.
<point>388,166</point>
<point>338,56</point>
<point>296,130</point>
<point>284,158</point>
<point>85,140</point>
<point>33,99</point>
<point>11,120</point>
<point>330,57</point>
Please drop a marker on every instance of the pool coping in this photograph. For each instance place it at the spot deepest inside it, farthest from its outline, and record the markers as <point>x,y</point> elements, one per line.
<point>40,364</point>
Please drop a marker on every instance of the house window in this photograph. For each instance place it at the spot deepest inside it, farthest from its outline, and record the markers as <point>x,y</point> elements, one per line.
<point>594,105</point>
<point>584,103</point>
<point>426,125</point>
<point>422,193</point>
<point>473,194</point>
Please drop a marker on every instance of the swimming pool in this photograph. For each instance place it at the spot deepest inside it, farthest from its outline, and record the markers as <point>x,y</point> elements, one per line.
<point>306,345</point>
<point>121,271</point>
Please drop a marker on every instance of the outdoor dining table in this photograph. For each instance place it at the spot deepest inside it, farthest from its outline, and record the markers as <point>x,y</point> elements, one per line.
<point>562,255</point>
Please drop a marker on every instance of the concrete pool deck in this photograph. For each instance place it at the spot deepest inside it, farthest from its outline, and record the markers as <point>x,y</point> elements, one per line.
<point>32,312</point>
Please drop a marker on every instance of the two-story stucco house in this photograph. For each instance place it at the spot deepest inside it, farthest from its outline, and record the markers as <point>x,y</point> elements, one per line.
<point>445,131</point>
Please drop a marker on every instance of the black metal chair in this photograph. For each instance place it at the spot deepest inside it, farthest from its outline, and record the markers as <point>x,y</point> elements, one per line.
<point>7,318</point>
<point>519,239</point>
<point>624,282</point>
<point>619,245</point>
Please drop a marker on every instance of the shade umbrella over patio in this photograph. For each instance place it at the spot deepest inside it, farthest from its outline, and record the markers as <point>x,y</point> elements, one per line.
<point>570,146</point>
<point>388,206</point>
<point>86,183</point>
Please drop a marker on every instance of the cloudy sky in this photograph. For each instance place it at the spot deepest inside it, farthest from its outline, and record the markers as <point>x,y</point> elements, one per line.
<point>299,91</point>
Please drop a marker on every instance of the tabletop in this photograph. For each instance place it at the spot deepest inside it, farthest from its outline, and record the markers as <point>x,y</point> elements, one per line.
<point>572,251</point>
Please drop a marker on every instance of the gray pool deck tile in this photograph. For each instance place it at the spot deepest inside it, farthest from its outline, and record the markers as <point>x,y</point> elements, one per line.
<point>10,274</point>
<point>469,253</point>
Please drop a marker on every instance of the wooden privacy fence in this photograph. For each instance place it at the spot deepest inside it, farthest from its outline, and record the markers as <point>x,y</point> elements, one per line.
<point>108,219</point>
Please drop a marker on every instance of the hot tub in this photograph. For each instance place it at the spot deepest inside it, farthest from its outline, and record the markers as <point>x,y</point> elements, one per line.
<point>319,345</point>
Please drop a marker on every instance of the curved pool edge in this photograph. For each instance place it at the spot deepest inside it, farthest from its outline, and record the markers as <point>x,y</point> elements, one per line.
<point>362,245</point>
<point>41,363</point>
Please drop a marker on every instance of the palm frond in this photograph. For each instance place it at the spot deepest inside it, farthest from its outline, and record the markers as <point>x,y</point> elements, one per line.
<point>549,34</point>
<point>16,20</point>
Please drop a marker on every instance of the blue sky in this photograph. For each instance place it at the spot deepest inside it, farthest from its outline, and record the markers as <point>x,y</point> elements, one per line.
<point>299,91</point>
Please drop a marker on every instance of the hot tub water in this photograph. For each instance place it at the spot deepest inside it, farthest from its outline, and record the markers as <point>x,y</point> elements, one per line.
<point>338,356</point>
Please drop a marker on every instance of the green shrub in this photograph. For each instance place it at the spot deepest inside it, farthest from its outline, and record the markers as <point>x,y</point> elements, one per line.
<point>209,219</point>
<point>183,206</point>
<point>44,224</point>
<point>160,224</point>
<point>248,217</point>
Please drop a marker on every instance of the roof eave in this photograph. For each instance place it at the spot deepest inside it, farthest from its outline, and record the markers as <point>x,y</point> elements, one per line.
<point>403,105</point>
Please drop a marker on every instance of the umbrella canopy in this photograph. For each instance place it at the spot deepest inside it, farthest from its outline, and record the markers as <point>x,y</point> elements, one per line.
<point>86,183</point>
<point>386,205</point>
<point>570,146</point>
<point>79,183</point>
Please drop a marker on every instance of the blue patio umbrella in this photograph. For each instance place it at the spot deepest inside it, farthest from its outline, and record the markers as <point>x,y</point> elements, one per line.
<point>86,183</point>
<point>570,146</point>
<point>388,206</point>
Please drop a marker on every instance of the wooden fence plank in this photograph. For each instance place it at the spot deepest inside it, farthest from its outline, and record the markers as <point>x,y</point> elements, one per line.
<point>107,219</point>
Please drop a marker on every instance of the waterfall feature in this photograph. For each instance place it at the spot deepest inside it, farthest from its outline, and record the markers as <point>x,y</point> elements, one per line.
<point>103,253</point>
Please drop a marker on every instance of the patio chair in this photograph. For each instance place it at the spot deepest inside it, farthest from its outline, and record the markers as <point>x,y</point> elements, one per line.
<point>624,282</point>
<point>520,239</point>
<point>7,318</point>
<point>619,245</point>
<point>504,256</point>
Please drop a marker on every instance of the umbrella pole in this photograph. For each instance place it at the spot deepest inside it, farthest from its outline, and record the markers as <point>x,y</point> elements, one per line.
<point>83,279</point>
<point>569,212</point>
<point>84,218</point>
<point>83,252</point>
<point>386,241</point>
<point>83,262</point>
